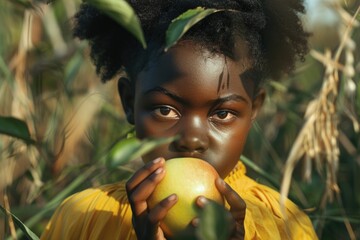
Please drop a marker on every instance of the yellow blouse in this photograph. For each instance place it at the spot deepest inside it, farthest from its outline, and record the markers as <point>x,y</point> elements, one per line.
<point>104,213</point>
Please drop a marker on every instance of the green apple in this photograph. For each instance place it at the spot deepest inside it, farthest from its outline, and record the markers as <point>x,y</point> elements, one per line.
<point>188,178</point>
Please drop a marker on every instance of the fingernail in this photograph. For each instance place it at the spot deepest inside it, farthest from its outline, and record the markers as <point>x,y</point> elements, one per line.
<point>172,197</point>
<point>221,181</point>
<point>203,200</point>
<point>159,170</point>
<point>195,222</point>
<point>157,160</point>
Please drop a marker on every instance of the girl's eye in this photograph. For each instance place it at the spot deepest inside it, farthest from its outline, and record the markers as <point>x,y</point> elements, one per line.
<point>223,115</point>
<point>166,112</point>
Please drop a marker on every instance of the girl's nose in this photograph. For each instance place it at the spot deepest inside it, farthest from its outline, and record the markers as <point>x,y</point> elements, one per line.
<point>193,136</point>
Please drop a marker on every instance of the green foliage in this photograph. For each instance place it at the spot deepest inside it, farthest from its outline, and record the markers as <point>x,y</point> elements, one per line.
<point>25,3</point>
<point>72,69</point>
<point>28,233</point>
<point>214,222</point>
<point>184,22</point>
<point>122,13</point>
<point>16,128</point>
<point>132,148</point>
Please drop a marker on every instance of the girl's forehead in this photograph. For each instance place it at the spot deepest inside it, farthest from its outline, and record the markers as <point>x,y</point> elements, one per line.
<point>188,57</point>
<point>194,67</point>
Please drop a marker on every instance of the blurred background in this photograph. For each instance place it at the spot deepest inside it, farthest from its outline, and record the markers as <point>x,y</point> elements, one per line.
<point>48,82</point>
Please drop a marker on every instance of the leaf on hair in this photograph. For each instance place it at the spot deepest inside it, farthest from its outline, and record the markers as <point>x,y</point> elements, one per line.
<point>121,12</point>
<point>180,25</point>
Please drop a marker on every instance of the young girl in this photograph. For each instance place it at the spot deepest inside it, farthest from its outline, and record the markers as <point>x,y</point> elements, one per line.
<point>207,90</point>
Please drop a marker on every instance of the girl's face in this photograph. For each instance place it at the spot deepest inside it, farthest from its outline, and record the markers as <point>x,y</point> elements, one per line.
<point>200,97</point>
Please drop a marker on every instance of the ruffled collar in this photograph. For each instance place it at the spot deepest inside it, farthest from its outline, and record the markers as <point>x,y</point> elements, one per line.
<point>238,172</point>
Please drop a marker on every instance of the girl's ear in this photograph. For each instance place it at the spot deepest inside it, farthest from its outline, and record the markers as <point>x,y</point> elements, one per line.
<point>257,103</point>
<point>127,95</point>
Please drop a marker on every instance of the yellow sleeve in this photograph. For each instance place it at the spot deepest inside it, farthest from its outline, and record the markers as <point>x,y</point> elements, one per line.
<point>96,213</point>
<point>263,219</point>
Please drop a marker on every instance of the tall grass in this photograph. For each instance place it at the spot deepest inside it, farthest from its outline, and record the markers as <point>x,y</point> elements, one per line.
<point>47,80</point>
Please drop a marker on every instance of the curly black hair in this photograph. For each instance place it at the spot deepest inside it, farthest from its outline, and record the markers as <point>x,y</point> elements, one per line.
<point>272,29</point>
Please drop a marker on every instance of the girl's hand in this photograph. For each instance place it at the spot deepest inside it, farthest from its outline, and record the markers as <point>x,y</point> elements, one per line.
<point>237,208</point>
<point>139,188</point>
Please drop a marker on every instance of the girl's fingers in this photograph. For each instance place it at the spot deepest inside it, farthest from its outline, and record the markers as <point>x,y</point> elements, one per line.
<point>143,173</point>
<point>140,194</point>
<point>159,212</point>
<point>237,208</point>
<point>237,204</point>
<point>201,201</point>
<point>139,188</point>
<point>147,186</point>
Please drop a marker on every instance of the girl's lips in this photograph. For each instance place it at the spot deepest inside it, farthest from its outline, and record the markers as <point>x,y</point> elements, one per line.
<point>189,155</point>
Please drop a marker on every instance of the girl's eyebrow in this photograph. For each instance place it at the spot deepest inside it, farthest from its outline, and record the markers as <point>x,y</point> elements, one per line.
<point>218,101</point>
<point>232,97</point>
<point>166,92</point>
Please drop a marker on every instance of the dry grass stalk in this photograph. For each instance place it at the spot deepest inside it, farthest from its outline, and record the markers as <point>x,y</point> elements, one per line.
<point>52,27</point>
<point>77,124</point>
<point>317,141</point>
<point>16,158</point>
<point>15,161</point>
<point>10,219</point>
<point>21,106</point>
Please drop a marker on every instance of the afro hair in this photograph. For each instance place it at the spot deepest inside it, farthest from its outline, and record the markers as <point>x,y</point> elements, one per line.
<point>272,29</point>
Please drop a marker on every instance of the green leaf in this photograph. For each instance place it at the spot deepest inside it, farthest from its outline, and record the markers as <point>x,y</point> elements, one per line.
<point>29,234</point>
<point>278,86</point>
<point>214,222</point>
<point>180,25</point>
<point>31,4</point>
<point>4,69</point>
<point>121,12</point>
<point>24,3</point>
<point>72,68</point>
<point>132,148</point>
<point>16,128</point>
<point>122,152</point>
<point>260,171</point>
